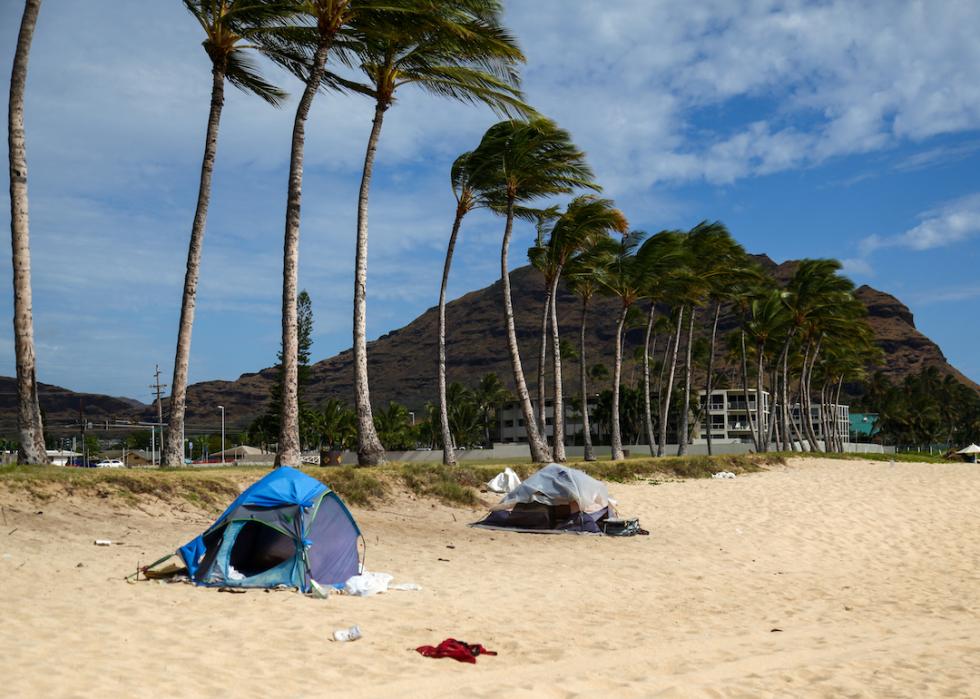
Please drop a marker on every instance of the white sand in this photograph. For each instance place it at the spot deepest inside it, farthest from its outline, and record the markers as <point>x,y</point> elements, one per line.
<point>871,571</point>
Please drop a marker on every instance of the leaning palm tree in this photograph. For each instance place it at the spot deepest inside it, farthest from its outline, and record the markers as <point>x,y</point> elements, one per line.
<point>520,161</point>
<point>456,49</point>
<point>467,199</point>
<point>29,426</point>
<point>661,259</point>
<point>586,220</point>
<point>583,273</point>
<point>625,281</point>
<point>303,51</point>
<point>542,260</point>
<point>714,258</point>
<point>231,29</point>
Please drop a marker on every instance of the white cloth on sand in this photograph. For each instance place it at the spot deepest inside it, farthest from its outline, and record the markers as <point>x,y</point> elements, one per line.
<point>724,474</point>
<point>504,482</point>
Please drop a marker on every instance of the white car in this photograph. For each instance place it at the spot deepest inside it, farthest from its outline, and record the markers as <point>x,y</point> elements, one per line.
<point>110,463</point>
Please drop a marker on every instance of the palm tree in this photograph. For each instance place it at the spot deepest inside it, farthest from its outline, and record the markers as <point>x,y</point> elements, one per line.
<point>231,28</point>
<point>522,161</point>
<point>766,323</point>
<point>624,280</point>
<point>456,49</point>
<point>713,257</point>
<point>465,202</point>
<point>29,424</point>
<point>490,393</point>
<point>393,423</point>
<point>661,260</point>
<point>542,260</point>
<point>467,199</point>
<point>584,272</point>
<point>302,48</point>
<point>814,297</point>
<point>586,220</point>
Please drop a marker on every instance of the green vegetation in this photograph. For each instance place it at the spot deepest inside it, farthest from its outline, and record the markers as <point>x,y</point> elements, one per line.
<point>924,410</point>
<point>213,488</point>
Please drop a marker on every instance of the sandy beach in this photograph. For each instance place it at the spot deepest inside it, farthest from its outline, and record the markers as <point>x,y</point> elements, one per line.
<point>820,578</point>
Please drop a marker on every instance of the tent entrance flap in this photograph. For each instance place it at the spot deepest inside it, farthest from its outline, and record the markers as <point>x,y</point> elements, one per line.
<point>258,548</point>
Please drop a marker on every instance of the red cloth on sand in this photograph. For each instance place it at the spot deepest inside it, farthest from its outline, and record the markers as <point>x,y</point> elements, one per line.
<point>457,650</point>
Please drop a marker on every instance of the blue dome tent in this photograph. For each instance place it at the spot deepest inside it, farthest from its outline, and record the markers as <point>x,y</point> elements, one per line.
<point>285,529</point>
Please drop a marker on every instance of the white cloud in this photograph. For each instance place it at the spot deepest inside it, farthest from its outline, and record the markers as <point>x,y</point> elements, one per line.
<point>952,223</point>
<point>857,267</point>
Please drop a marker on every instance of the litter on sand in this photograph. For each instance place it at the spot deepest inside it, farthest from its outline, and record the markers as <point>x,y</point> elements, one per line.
<point>457,650</point>
<point>723,474</point>
<point>367,584</point>
<point>504,482</point>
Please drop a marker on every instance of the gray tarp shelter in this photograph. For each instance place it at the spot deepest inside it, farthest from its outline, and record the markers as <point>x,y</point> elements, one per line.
<point>557,499</point>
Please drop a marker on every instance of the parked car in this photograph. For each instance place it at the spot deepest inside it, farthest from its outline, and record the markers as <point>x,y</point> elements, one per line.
<point>110,463</point>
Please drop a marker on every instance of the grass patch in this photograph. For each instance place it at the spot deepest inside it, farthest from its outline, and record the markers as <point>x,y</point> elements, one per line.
<point>355,486</point>
<point>212,489</point>
<point>916,457</point>
<point>202,489</point>
<point>453,485</point>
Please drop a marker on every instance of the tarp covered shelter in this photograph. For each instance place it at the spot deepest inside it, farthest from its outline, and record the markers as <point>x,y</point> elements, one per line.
<point>971,450</point>
<point>285,529</point>
<point>556,498</point>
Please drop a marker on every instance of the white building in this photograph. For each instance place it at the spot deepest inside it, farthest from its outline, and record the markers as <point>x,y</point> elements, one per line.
<point>730,417</point>
<point>510,421</point>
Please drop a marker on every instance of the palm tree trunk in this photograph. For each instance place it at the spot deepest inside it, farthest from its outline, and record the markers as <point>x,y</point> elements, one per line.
<point>771,437</point>
<point>173,452</point>
<point>30,429</point>
<point>807,422</point>
<point>583,379</point>
<point>711,362</point>
<point>543,359</point>
<point>539,449</point>
<point>682,435</point>
<point>665,410</point>
<point>448,454</point>
<point>787,442</point>
<point>840,441</point>
<point>370,452</point>
<point>288,451</point>
<point>558,404</point>
<point>616,438</point>
<point>647,412</point>
<point>753,428</point>
<point>760,376</point>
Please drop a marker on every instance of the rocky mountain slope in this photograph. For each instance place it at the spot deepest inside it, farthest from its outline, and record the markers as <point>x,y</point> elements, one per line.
<point>402,363</point>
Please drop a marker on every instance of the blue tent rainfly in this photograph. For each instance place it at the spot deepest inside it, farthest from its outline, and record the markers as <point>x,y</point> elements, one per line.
<point>285,529</point>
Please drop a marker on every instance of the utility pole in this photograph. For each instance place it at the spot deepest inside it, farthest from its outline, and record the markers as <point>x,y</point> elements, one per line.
<point>157,386</point>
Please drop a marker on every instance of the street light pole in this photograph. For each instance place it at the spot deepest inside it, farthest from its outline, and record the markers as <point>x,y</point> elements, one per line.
<point>222,409</point>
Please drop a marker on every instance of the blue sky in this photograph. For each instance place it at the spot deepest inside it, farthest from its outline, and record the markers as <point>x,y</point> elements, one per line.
<point>830,129</point>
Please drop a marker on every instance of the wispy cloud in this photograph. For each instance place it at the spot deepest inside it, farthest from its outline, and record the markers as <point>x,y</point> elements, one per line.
<point>952,223</point>
<point>967,292</point>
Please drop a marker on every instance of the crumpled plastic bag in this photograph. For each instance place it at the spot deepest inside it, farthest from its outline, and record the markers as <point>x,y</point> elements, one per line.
<point>504,482</point>
<point>367,584</point>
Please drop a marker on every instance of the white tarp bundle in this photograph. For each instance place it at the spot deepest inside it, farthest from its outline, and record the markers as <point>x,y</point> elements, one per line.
<point>559,485</point>
<point>504,482</point>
